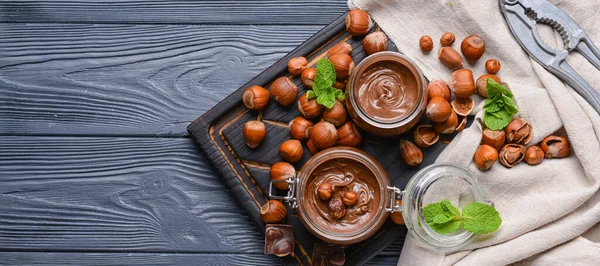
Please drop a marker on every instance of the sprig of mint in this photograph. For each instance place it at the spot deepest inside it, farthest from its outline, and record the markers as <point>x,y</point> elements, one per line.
<point>499,106</point>
<point>322,87</point>
<point>476,217</point>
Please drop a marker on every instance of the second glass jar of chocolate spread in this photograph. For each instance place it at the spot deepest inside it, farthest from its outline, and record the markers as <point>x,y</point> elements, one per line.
<point>386,94</point>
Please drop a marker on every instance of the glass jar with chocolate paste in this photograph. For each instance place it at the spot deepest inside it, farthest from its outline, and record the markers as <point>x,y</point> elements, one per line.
<point>350,169</point>
<point>386,94</point>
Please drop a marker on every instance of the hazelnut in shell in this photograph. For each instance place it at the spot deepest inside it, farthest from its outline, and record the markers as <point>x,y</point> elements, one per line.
<point>461,83</point>
<point>396,216</point>
<point>426,43</point>
<point>349,135</point>
<point>296,65</point>
<point>323,135</point>
<point>425,136</point>
<point>254,133</point>
<point>291,150</point>
<point>519,131</point>
<point>336,115</point>
<point>438,88</point>
<point>311,147</point>
<point>339,84</point>
<point>256,97</point>
<point>340,48</point>
<point>358,22</point>
<point>534,155</point>
<point>494,138</point>
<point>309,108</point>
<point>375,42</point>
<point>555,147</point>
<point>448,126</point>
<point>281,171</point>
<point>300,128</point>
<point>511,154</point>
<point>481,83</point>
<point>411,154</point>
<point>438,109</point>
<point>308,77</point>
<point>273,211</point>
<point>349,198</point>
<point>284,91</point>
<point>324,191</point>
<point>472,47</point>
<point>447,39</point>
<point>343,65</point>
<point>492,66</point>
<point>485,157</point>
<point>450,58</point>
<point>462,105</point>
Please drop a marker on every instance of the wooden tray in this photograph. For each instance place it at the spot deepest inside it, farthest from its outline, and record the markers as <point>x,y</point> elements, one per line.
<point>246,171</point>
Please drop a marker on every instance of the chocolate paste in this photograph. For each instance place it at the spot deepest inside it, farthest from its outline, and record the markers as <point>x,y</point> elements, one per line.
<point>387,91</point>
<point>343,175</point>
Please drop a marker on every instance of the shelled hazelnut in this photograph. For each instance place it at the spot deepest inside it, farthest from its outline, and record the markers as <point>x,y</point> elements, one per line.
<point>349,198</point>
<point>447,39</point>
<point>284,91</point>
<point>254,133</point>
<point>296,65</point>
<point>255,98</point>
<point>281,171</point>
<point>534,155</point>
<point>426,43</point>
<point>325,191</point>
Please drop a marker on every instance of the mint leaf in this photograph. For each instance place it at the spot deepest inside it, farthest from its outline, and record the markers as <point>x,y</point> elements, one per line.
<point>480,218</point>
<point>446,228</point>
<point>325,73</point>
<point>499,107</point>
<point>327,98</point>
<point>340,95</point>
<point>497,120</point>
<point>494,88</point>
<point>310,94</point>
<point>449,209</point>
<point>432,210</point>
<point>441,219</point>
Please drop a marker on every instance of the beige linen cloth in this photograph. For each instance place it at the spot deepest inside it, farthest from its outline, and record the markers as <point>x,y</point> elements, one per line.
<point>550,211</point>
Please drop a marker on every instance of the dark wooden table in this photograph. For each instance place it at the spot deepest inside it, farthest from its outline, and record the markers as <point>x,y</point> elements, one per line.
<point>96,166</point>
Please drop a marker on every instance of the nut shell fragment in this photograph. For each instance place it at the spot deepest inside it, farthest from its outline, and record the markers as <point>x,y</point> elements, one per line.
<point>463,105</point>
<point>511,154</point>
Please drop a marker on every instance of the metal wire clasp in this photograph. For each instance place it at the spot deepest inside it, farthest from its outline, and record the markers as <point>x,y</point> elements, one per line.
<point>290,198</point>
<point>396,194</point>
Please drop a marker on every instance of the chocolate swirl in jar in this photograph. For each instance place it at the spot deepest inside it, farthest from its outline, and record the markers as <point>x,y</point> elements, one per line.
<point>387,91</point>
<point>343,175</point>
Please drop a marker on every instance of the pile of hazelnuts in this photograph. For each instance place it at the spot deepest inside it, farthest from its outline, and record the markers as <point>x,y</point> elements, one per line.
<point>336,204</point>
<point>508,146</point>
<point>319,127</point>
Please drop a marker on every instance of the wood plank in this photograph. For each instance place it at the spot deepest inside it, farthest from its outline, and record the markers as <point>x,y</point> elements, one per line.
<point>143,80</point>
<point>123,194</point>
<point>86,258</point>
<point>262,12</point>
